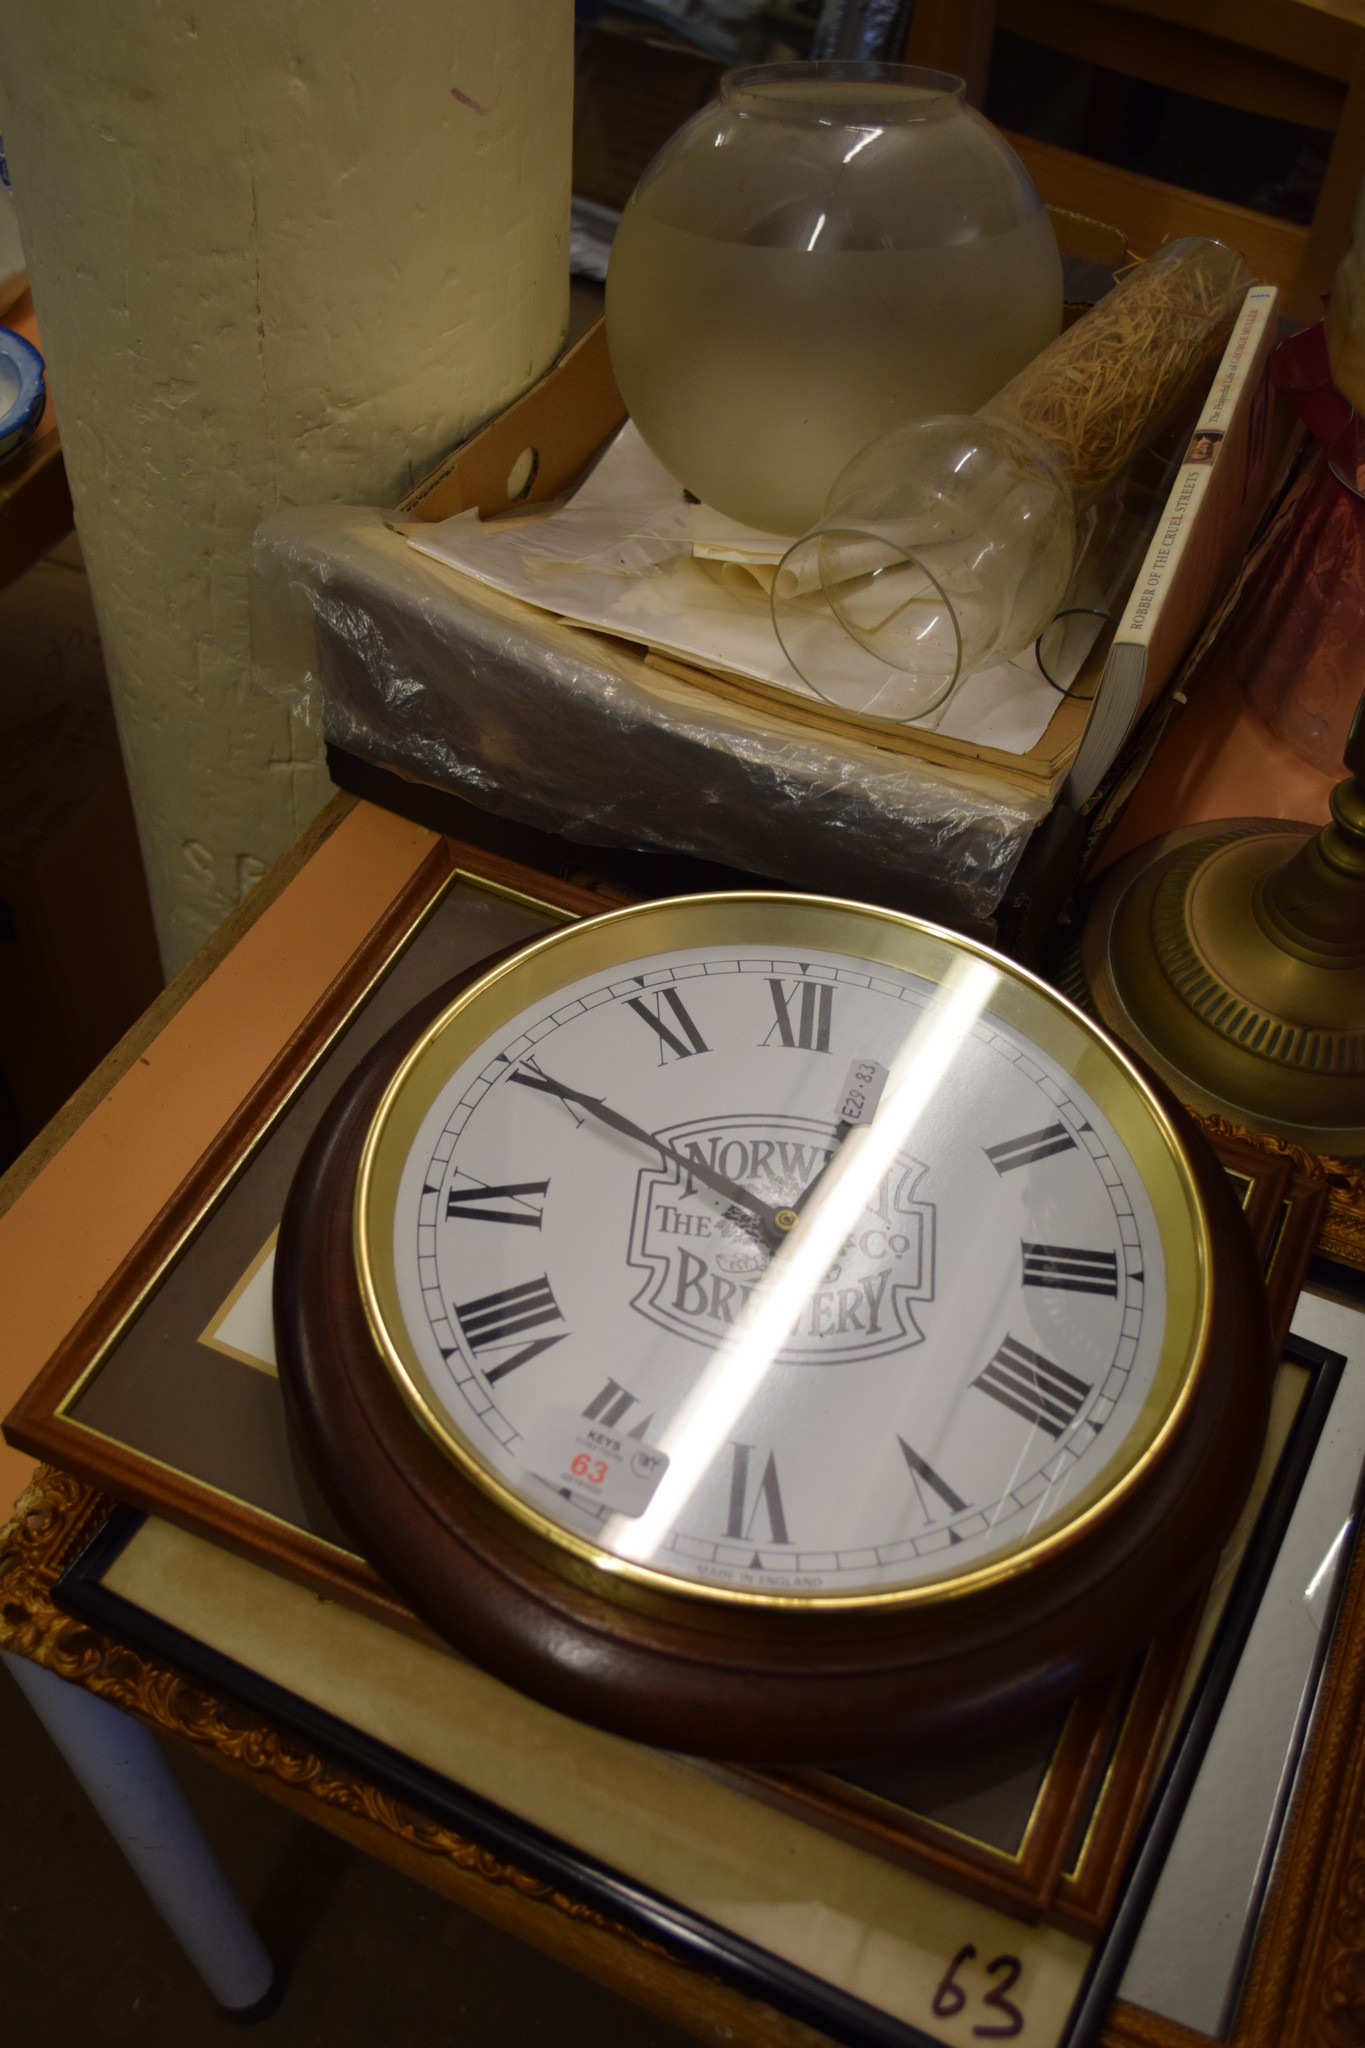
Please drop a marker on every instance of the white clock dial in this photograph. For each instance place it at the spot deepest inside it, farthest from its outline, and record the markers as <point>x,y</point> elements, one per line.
<point>650,1286</point>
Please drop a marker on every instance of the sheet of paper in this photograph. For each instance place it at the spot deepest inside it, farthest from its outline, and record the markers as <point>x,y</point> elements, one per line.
<point>244,1326</point>
<point>621,556</point>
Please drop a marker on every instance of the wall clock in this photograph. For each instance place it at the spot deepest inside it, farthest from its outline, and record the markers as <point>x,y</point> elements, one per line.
<point>772,1327</point>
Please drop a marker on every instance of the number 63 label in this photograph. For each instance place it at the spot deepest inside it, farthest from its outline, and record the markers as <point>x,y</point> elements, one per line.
<point>976,1991</point>
<point>589,1459</point>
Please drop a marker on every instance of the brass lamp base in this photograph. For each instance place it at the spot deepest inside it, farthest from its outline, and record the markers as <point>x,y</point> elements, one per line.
<point>1233,959</point>
<point>1183,958</point>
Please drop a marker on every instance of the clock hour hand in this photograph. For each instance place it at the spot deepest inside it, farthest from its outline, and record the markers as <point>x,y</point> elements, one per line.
<point>774,1221</point>
<point>862,1094</point>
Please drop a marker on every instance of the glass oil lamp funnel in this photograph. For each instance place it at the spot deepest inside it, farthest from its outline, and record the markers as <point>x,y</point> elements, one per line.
<point>947,543</point>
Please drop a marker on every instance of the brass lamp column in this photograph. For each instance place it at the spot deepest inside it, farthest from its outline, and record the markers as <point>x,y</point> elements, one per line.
<point>1232,958</point>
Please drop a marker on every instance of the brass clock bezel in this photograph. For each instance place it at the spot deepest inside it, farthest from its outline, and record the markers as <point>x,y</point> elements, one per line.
<point>860,932</point>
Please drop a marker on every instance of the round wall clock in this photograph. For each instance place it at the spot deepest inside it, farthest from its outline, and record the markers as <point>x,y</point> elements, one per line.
<point>771,1327</point>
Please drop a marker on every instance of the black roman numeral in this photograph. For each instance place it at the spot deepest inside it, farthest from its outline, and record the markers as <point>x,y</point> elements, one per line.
<point>520,1201</point>
<point>611,1406</point>
<point>1034,1145</point>
<point>1032,1386</point>
<point>922,1475</point>
<point>529,1059</point>
<point>669,1041</point>
<point>810,1033</point>
<point>1075,1272</point>
<point>739,1522</point>
<point>495,1320</point>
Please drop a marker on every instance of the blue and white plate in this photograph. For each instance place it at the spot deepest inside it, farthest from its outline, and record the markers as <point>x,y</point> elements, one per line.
<point>23,390</point>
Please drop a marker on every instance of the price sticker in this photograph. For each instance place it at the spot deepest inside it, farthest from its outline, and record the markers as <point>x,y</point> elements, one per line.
<point>862,1092</point>
<point>594,1462</point>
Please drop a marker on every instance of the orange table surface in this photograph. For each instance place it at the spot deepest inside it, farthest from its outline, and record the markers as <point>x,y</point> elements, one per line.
<point>73,1225</point>
<point>1217,759</point>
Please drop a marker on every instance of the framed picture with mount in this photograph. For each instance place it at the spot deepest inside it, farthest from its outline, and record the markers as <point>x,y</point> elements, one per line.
<point>163,1394</point>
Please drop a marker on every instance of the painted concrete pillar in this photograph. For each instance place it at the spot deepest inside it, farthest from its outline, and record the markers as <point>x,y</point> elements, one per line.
<point>283,252</point>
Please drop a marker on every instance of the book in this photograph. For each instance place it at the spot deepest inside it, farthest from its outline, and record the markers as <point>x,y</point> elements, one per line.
<point>1042,768</point>
<point>1199,539</point>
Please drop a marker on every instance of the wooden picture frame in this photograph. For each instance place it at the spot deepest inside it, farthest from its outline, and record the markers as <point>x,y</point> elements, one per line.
<point>42,1421</point>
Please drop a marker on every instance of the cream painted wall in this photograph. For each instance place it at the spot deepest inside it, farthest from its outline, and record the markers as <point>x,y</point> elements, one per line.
<point>282,251</point>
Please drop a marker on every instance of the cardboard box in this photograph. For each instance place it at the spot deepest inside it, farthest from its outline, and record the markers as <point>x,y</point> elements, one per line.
<point>539,446</point>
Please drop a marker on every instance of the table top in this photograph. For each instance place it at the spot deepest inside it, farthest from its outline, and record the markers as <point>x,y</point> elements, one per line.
<point>157,1102</point>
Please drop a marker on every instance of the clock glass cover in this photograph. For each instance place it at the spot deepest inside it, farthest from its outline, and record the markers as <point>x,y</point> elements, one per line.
<point>776,1250</point>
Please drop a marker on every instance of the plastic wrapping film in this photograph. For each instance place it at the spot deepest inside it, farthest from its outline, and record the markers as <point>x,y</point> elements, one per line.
<point>415,669</point>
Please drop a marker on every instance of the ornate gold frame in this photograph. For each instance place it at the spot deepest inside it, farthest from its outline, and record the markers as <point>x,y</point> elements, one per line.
<point>1343,1230</point>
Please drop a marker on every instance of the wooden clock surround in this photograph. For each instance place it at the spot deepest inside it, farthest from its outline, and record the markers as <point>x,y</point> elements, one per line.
<point>684,1673</point>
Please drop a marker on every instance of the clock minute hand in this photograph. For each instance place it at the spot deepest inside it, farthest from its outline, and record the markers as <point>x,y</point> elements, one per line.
<point>772,1219</point>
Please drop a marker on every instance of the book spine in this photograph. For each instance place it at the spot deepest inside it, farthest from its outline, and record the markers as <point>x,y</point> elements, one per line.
<point>1244,354</point>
